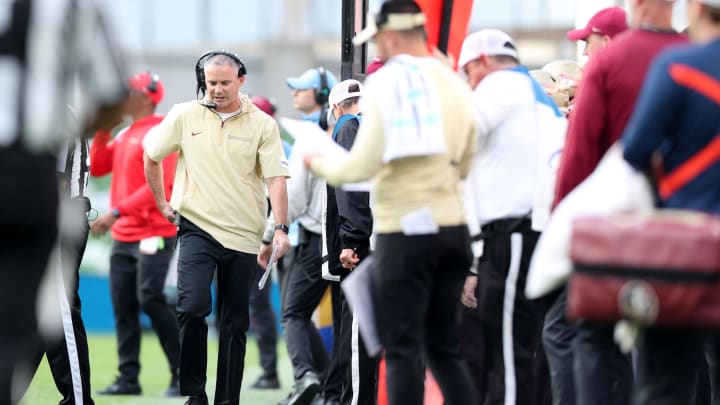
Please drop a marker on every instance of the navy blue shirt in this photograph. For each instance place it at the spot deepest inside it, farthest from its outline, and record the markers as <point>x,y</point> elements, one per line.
<point>674,117</point>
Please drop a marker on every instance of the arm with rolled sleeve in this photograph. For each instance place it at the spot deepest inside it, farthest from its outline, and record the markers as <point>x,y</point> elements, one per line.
<point>162,140</point>
<point>274,167</point>
<point>587,126</point>
<point>297,193</point>
<point>652,118</point>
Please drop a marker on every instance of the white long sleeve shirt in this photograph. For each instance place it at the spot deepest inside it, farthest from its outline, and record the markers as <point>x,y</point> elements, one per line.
<point>503,177</point>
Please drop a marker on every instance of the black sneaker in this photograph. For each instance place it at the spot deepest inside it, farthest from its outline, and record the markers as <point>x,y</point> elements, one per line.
<point>174,388</point>
<point>266,382</point>
<point>122,387</point>
<point>197,401</point>
<point>305,389</point>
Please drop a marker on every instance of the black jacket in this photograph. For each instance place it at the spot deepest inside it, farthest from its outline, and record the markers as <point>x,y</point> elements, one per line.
<point>348,224</point>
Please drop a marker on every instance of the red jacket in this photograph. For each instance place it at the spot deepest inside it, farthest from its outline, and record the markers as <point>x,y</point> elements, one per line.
<point>129,191</point>
<point>605,99</point>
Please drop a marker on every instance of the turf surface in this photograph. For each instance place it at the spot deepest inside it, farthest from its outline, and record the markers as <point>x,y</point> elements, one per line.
<point>155,376</point>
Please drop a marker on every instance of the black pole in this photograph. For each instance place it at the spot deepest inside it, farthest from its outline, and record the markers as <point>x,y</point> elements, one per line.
<point>445,20</point>
<point>352,59</point>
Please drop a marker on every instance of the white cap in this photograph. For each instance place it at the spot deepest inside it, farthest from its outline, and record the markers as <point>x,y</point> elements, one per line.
<point>339,93</point>
<point>489,42</point>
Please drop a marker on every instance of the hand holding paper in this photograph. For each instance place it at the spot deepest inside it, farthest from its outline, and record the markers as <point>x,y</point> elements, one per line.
<point>271,262</point>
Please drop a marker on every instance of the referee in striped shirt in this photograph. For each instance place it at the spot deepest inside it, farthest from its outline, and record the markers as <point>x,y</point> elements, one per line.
<point>67,349</point>
<point>44,46</point>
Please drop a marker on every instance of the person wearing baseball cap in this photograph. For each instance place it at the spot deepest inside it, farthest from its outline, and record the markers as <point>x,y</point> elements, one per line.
<point>137,273</point>
<point>310,93</point>
<point>605,100</point>
<point>513,114</point>
<point>304,285</point>
<point>677,118</point>
<point>347,90</point>
<point>602,27</point>
<point>348,228</point>
<point>416,142</point>
<point>148,84</point>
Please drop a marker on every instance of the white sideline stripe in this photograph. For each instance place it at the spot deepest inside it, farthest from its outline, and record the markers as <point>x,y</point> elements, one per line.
<point>355,360</point>
<point>69,332</point>
<point>507,322</point>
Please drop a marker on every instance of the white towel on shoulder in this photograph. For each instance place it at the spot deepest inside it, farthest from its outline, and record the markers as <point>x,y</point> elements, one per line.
<point>411,111</point>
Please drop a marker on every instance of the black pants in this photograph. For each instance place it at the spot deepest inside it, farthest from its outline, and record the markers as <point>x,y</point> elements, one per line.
<point>137,282</point>
<point>199,258</point>
<point>284,265</point>
<point>513,353</point>
<point>417,283</point>
<point>72,248</point>
<point>558,341</point>
<point>603,374</point>
<point>263,317</point>
<point>668,363</point>
<point>28,219</point>
<point>473,347</point>
<point>359,382</point>
<point>333,378</point>
<point>304,288</point>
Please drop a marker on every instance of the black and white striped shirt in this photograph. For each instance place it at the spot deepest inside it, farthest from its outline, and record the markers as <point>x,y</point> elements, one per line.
<point>54,52</point>
<point>74,167</point>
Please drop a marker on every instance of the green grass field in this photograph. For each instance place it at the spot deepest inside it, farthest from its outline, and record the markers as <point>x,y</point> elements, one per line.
<point>155,376</point>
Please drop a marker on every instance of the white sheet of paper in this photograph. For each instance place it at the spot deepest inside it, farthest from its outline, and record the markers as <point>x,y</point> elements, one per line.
<point>419,222</point>
<point>364,186</point>
<point>357,288</point>
<point>149,246</point>
<point>269,267</point>
<point>312,139</point>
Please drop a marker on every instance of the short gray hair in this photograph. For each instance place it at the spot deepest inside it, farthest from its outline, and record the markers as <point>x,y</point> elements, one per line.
<point>220,60</point>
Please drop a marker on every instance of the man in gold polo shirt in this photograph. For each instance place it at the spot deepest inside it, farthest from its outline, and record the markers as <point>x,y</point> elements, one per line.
<point>227,148</point>
<point>415,142</point>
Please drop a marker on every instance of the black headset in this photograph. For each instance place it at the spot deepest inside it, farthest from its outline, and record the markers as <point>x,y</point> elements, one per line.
<point>200,71</point>
<point>323,93</point>
<point>321,97</point>
<point>152,87</point>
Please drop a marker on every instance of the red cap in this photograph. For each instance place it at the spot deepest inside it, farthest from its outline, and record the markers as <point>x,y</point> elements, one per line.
<point>264,104</point>
<point>373,66</point>
<point>608,21</point>
<point>150,84</point>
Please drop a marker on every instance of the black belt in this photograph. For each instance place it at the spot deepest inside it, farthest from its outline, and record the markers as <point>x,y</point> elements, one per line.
<point>504,225</point>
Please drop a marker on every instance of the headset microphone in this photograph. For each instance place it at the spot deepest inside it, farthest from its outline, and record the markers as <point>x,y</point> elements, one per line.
<point>209,104</point>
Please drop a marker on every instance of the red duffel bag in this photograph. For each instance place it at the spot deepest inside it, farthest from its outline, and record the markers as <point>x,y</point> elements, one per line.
<point>658,269</point>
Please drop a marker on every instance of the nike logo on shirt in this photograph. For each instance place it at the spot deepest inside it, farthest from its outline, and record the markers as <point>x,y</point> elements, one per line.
<point>195,133</point>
